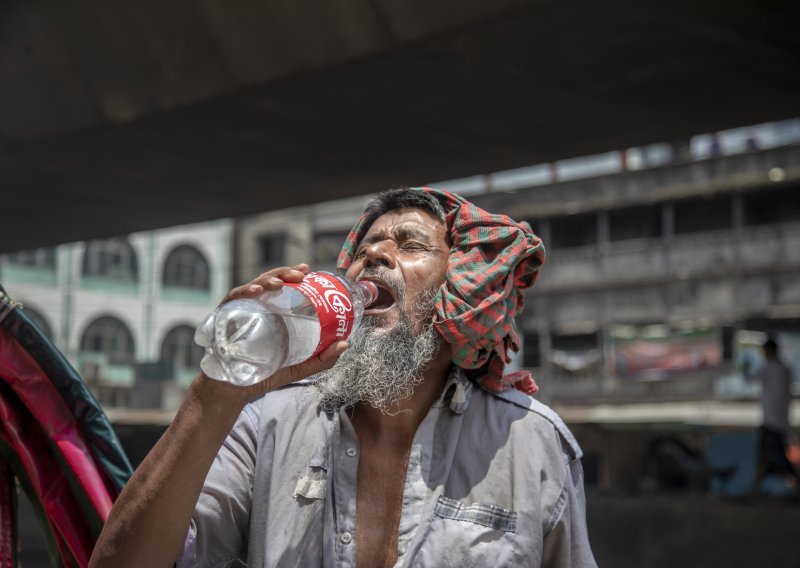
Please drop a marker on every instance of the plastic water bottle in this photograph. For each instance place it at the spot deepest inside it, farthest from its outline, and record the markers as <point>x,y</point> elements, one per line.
<point>247,340</point>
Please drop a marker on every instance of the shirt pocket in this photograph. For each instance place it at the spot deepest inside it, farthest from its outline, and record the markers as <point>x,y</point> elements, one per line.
<point>312,485</point>
<point>466,535</point>
<point>483,514</point>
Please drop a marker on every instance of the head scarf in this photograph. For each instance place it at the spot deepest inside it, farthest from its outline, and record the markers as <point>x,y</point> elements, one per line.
<point>493,259</point>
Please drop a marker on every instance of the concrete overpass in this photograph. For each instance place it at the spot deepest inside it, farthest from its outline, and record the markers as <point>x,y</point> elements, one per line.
<point>125,116</point>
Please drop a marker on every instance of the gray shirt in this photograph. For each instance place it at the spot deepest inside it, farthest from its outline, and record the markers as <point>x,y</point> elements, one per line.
<point>492,480</point>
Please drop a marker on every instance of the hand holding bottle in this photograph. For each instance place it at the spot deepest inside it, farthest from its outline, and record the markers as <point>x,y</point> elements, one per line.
<point>283,318</point>
<point>273,280</point>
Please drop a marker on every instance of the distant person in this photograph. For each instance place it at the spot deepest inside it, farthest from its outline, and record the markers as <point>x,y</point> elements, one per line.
<point>715,148</point>
<point>776,380</point>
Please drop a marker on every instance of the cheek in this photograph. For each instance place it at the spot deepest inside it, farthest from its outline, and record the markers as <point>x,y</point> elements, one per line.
<point>430,278</point>
<point>442,272</point>
<point>436,274</point>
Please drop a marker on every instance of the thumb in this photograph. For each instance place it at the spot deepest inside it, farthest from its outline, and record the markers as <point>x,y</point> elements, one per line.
<point>319,363</point>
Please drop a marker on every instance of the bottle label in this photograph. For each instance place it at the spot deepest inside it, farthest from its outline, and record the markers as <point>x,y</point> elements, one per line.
<point>333,305</point>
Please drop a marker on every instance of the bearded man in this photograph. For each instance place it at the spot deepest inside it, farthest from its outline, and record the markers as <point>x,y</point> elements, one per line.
<point>413,449</point>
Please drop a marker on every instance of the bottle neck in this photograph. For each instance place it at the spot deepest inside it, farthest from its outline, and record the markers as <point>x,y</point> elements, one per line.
<point>366,292</point>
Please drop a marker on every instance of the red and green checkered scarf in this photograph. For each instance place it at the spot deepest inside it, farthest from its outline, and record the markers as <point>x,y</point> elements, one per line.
<point>492,260</point>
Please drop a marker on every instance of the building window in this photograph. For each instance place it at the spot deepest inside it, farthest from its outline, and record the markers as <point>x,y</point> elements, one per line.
<point>531,355</point>
<point>111,337</point>
<point>327,247</point>
<point>272,250</point>
<point>573,231</point>
<point>703,214</point>
<point>186,267</point>
<point>42,258</point>
<point>575,353</point>
<point>769,206</point>
<point>634,223</point>
<point>112,258</point>
<point>180,349</point>
<point>575,342</point>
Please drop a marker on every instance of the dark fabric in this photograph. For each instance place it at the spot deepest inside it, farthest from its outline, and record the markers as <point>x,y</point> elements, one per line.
<point>8,517</point>
<point>25,391</point>
<point>772,452</point>
<point>493,259</point>
<point>53,488</point>
<point>96,429</point>
<point>54,544</point>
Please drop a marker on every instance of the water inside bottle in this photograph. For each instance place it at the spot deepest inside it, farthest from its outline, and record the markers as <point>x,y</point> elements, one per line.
<point>303,332</point>
<point>245,343</point>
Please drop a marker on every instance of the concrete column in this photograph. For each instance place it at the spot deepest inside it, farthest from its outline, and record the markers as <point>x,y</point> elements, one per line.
<point>603,231</point>
<point>225,272</point>
<point>544,377</point>
<point>545,346</point>
<point>667,238</point>
<point>737,224</point>
<point>737,212</point>
<point>543,230</point>
<point>668,222</point>
<point>67,279</point>
<point>149,275</point>
<point>604,339</point>
<point>603,242</point>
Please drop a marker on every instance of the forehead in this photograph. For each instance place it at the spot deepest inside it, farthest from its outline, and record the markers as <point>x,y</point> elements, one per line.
<point>408,223</point>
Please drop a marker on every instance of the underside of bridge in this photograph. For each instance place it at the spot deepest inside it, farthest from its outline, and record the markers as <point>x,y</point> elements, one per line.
<point>125,116</point>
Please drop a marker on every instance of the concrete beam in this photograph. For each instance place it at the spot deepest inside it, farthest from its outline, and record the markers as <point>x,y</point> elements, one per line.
<point>126,117</point>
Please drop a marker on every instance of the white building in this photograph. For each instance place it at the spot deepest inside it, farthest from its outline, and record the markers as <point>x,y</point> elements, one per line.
<point>313,234</point>
<point>124,310</point>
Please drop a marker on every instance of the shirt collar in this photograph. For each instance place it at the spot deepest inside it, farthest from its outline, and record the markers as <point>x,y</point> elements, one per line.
<point>457,391</point>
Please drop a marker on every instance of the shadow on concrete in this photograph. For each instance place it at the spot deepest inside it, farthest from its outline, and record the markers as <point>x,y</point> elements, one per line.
<point>656,531</point>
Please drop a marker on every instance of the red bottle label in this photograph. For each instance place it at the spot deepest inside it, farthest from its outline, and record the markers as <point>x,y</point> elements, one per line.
<point>333,305</point>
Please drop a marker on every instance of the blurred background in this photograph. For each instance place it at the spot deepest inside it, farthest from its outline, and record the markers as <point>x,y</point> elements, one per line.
<point>153,156</point>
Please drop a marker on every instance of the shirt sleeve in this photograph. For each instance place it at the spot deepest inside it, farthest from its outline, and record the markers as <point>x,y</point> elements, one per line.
<point>566,544</point>
<point>219,528</point>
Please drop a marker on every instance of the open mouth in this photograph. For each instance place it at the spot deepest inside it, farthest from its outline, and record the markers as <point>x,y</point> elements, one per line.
<point>385,299</point>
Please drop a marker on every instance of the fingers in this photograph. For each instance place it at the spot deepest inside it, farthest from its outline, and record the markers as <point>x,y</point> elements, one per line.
<point>324,360</point>
<point>330,355</point>
<point>270,280</point>
<point>274,279</point>
<point>282,377</point>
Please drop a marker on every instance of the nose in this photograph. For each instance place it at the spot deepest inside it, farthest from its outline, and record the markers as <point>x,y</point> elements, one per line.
<point>379,253</point>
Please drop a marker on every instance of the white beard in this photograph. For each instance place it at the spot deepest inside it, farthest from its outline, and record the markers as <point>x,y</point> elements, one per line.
<point>380,367</point>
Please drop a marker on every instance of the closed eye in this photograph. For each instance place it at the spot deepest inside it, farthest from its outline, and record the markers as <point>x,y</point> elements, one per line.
<point>411,245</point>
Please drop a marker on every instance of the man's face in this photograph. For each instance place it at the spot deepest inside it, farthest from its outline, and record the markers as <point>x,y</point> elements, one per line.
<point>405,253</point>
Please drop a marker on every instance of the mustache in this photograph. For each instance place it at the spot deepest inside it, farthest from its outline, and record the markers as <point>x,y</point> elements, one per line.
<point>383,274</point>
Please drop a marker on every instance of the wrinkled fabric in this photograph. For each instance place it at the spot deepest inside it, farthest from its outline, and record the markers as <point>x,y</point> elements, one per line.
<point>21,373</point>
<point>8,512</point>
<point>51,486</point>
<point>492,479</point>
<point>493,259</point>
<point>94,425</point>
<point>56,439</point>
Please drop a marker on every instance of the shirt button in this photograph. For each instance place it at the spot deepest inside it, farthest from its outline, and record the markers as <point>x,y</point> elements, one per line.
<point>351,452</point>
<point>346,537</point>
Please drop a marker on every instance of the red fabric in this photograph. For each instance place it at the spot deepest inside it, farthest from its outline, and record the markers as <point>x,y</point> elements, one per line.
<point>493,259</point>
<point>8,545</point>
<point>67,521</point>
<point>29,382</point>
